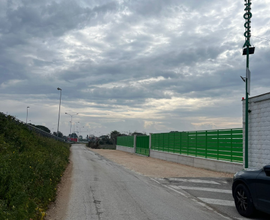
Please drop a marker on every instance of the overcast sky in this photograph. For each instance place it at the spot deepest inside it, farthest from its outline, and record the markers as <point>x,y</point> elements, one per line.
<point>130,65</point>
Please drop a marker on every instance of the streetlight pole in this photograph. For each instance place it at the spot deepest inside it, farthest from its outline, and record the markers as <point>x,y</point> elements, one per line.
<point>27,113</point>
<point>59,110</point>
<point>247,51</point>
<point>70,119</point>
<point>77,129</point>
<point>77,126</point>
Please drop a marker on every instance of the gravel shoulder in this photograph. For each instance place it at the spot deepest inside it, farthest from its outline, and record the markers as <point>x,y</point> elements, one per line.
<point>57,209</point>
<point>155,167</point>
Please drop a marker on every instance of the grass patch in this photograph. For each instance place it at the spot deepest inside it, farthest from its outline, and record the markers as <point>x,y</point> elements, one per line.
<point>31,166</point>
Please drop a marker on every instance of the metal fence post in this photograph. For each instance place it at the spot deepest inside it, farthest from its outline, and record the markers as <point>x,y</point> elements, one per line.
<point>196,144</point>
<point>135,143</point>
<point>187,143</point>
<point>231,145</point>
<point>206,149</point>
<point>218,144</point>
<point>150,138</point>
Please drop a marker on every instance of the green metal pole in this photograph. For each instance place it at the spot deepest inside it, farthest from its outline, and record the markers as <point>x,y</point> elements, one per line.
<point>247,17</point>
<point>246,113</point>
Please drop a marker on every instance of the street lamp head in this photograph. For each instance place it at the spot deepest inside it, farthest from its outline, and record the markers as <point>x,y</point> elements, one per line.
<point>28,107</point>
<point>59,88</point>
<point>250,50</point>
<point>71,115</point>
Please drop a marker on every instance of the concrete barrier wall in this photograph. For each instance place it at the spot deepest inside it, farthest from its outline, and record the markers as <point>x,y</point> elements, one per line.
<point>258,130</point>
<point>126,149</point>
<point>215,165</point>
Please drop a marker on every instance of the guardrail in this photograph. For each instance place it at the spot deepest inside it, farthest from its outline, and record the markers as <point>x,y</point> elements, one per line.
<point>44,133</point>
<point>37,130</point>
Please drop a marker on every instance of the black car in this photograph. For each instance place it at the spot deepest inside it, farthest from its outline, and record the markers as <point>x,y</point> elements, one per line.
<point>251,190</point>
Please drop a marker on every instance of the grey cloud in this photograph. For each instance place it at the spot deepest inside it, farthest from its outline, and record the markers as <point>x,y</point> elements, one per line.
<point>97,51</point>
<point>128,93</point>
<point>49,20</point>
<point>154,8</point>
<point>148,8</point>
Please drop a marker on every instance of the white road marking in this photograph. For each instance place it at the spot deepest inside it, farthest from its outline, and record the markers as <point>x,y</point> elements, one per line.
<point>200,203</point>
<point>225,182</point>
<point>155,180</point>
<point>217,201</point>
<point>183,194</point>
<point>187,195</point>
<point>194,181</point>
<point>202,189</point>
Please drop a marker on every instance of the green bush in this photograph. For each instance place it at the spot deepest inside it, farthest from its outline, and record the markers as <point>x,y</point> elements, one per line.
<point>31,166</point>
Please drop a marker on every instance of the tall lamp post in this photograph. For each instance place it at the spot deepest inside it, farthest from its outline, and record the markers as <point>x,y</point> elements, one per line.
<point>247,50</point>
<point>27,113</point>
<point>77,126</point>
<point>59,110</point>
<point>70,119</point>
<point>77,129</point>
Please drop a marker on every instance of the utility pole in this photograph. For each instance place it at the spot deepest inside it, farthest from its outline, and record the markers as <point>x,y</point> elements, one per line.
<point>71,116</point>
<point>59,111</point>
<point>247,51</point>
<point>27,113</point>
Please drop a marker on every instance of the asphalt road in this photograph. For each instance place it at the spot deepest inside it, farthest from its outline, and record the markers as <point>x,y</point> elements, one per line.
<point>215,193</point>
<point>103,190</point>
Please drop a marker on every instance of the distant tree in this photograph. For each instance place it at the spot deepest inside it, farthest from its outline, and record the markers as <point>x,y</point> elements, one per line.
<point>138,134</point>
<point>114,134</point>
<point>105,139</point>
<point>93,142</point>
<point>43,128</point>
<point>60,134</point>
<point>73,135</point>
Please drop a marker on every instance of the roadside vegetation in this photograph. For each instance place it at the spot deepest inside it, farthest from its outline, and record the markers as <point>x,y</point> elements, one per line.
<point>108,141</point>
<point>104,141</point>
<point>31,166</point>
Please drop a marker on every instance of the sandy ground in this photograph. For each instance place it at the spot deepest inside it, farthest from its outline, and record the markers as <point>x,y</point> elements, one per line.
<point>155,167</point>
<point>140,164</point>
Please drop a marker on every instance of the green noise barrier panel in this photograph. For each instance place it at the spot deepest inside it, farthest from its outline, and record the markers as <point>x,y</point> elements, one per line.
<point>142,145</point>
<point>125,141</point>
<point>225,145</point>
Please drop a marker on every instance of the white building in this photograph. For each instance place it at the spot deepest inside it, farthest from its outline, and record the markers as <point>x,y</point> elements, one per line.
<point>258,130</point>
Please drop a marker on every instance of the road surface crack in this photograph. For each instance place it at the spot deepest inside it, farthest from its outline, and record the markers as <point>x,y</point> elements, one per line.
<point>97,204</point>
